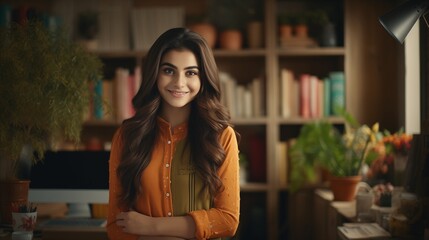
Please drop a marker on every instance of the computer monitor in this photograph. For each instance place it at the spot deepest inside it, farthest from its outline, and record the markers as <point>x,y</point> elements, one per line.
<point>78,178</point>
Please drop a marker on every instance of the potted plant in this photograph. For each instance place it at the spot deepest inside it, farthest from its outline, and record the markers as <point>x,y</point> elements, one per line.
<point>300,25</point>
<point>201,25</point>
<point>285,26</point>
<point>322,28</point>
<point>44,89</point>
<point>321,145</point>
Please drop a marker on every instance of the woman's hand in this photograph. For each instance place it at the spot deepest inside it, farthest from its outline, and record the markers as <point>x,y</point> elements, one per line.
<point>165,228</point>
<point>135,223</point>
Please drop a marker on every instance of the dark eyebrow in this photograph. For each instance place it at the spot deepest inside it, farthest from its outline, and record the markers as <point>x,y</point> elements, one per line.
<point>171,65</point>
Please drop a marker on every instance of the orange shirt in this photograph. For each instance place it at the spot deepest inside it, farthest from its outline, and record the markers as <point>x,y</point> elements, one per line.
<point>161,180</point>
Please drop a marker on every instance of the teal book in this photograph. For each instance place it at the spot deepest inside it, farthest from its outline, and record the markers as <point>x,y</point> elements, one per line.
<point>326,97</point>
<point>337,83</point>
<point>98,99</point>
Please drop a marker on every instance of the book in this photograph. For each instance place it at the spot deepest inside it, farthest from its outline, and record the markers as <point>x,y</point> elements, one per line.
<point>229,92</point>
<point>295,95</point>
<point>326,97</point>
<point>286,82</point>
<point>257,97</point>
<point>304,95</point>
<point>314,96</point>
<point>98,100</point>
<point>353,231</point>
<point>108,99</point>
<point>257,162</point>
<point>122,96</point>
<point>321,98</point>
<point>282,153</point>
<point>337,83</point>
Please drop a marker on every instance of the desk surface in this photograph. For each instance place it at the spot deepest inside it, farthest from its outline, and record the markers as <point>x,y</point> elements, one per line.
<point>63,233</point>
<point>346,209</point>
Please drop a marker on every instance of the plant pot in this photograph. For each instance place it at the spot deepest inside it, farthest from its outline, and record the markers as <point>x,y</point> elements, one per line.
<point>344,188</point>
<point>231,40</point>
<point>301,31</point>
<point>285,31</point>
<point>255,36</point>
<point>207,31</point>
<point>12,192</point>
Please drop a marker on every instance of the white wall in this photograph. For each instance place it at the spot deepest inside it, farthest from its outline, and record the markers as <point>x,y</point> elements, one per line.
<point>412,80</point>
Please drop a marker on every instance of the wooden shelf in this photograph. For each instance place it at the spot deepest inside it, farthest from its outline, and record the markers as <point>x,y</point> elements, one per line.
<point>318,51</point>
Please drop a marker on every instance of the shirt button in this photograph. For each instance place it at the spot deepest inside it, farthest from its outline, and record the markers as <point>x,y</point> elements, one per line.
<point>169,142</point>
<point>167,194</point>
<point>167,165</point>
<point>169,214</point>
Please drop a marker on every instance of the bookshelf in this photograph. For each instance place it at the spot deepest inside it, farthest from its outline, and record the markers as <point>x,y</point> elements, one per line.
<point>265,211</point>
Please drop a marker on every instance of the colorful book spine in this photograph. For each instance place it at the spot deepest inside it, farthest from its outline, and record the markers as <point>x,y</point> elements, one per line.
<point>337,91</point>
<point>98,99</point>
<point>327,97</point>
<point>304,95</point>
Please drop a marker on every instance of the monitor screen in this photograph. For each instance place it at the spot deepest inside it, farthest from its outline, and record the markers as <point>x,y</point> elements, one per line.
<point>71,177</point>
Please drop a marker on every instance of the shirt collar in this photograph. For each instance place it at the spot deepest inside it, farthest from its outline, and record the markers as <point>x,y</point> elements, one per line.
<point>180,131</point>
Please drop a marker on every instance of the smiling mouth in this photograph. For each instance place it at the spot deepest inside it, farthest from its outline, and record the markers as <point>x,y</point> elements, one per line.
<point>177,93</point>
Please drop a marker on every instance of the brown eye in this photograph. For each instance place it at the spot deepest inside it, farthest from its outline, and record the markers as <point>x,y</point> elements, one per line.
<point>192,73</point>
<point>168,71</point>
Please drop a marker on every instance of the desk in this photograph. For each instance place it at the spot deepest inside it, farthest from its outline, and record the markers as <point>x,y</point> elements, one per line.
<point>89,233</point>
<point>67,233</point>
<point>329,214</point>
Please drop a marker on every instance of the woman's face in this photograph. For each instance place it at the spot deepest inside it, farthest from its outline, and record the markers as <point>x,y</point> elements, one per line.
<point>178,79</point>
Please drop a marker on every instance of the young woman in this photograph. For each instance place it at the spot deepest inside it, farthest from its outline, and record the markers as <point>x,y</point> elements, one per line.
<point>174,165</point>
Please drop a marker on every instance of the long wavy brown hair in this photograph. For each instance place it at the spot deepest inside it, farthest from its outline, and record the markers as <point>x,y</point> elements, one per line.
<point>208,117</point>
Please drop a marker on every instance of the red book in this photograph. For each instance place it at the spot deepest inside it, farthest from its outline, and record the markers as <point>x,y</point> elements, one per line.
<point>257,162</point>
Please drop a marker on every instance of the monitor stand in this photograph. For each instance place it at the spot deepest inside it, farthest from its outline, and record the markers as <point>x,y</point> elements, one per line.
<point>78,210</point>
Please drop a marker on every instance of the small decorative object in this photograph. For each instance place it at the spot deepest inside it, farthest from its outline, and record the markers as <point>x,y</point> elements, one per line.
<point>231,39</point>
<point>207,31</point>
<point>24,217</point>
<point>364,202</point>
<point>255,36</point>
<point>321,28</point>
<point>285,27</point>
<point>383,194</point>
<point>301,27</point>
<point>293,31</point>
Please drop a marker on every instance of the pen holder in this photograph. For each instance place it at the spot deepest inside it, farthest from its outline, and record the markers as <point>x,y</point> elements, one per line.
<point>24,221</point>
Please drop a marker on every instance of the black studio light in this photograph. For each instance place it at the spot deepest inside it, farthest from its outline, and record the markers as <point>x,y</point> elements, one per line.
<point>399,21</point>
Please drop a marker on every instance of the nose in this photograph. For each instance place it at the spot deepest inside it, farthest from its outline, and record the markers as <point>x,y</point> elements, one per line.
<point>180,80</point>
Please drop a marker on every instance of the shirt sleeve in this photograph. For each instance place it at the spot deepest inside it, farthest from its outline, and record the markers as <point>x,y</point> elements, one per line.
<point>114,232</point>
<point>222,220</point>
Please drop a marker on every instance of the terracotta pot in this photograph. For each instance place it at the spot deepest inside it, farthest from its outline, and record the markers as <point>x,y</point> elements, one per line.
<point>231,40</point>
<point>255,36</point>
<point>344,188</point>
<point>207,31</point>
<point>285,31</point>
<point>301,31</point>
<point>12,192</point>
